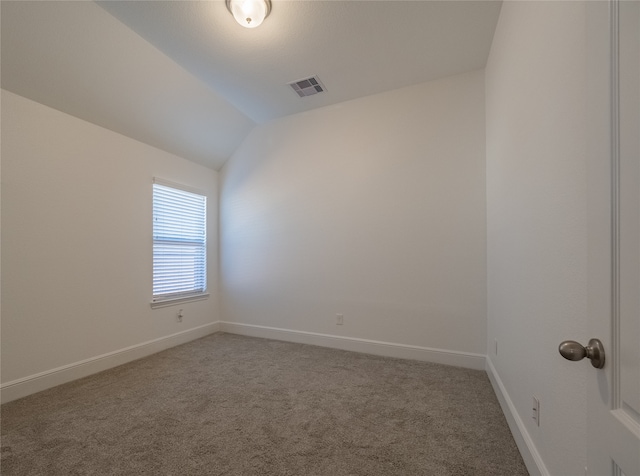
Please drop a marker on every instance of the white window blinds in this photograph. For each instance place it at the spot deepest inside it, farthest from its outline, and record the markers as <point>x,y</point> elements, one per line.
<point>179,243</point>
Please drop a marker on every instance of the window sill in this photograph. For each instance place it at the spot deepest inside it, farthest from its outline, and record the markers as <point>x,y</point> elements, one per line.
<point>178,300</point>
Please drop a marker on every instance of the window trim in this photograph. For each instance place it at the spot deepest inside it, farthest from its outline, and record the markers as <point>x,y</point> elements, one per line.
<point>157,302</point>
<point>179,300</point>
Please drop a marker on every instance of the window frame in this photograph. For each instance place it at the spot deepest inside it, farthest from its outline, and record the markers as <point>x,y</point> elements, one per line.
<point>168,299</point>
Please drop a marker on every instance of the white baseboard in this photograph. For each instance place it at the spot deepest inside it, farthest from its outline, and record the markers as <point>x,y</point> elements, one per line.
<point>35,383</point>
<point>387,349</point>
<point>528,450</point>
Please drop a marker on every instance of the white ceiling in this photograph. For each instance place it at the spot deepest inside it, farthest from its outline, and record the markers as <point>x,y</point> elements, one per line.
<point>184,77</point>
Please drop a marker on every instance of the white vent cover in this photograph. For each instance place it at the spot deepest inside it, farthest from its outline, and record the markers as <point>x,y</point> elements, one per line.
<point>308,86</point>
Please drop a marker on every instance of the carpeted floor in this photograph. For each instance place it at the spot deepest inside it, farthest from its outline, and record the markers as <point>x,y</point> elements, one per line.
<point>233,405</point>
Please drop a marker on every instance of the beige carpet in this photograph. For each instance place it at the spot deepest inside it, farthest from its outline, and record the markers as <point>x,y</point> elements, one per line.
<point>233,405</point>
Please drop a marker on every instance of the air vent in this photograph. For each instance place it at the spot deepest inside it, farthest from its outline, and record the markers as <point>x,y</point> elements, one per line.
<point>308,87</point>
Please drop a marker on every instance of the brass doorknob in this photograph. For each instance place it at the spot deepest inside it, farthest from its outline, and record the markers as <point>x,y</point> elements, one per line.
<point>594,351</point>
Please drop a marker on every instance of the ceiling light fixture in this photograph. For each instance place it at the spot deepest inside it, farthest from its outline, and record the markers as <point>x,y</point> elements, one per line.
<point>249,13</point>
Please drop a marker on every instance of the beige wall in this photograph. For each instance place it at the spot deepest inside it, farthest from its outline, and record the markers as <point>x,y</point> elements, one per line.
<point>373,208</point>
<point>536,222</point>
<point>76,240</point>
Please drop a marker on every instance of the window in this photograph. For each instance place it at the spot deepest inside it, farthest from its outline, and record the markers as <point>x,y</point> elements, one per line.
<point>179,244</point>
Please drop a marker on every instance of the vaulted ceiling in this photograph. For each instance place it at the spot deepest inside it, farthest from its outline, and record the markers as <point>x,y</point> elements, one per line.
<point>183,76</point>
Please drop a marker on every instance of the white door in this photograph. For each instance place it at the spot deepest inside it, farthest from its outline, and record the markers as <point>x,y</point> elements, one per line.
<point>613,399</point>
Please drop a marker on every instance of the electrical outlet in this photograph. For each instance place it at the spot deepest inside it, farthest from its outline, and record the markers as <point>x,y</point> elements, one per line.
<point>535,411</point>
<point>179,315</point>
<point>339,319</point>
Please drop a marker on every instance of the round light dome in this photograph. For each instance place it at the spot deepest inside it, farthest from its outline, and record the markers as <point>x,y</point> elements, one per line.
<point>249,13</point>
